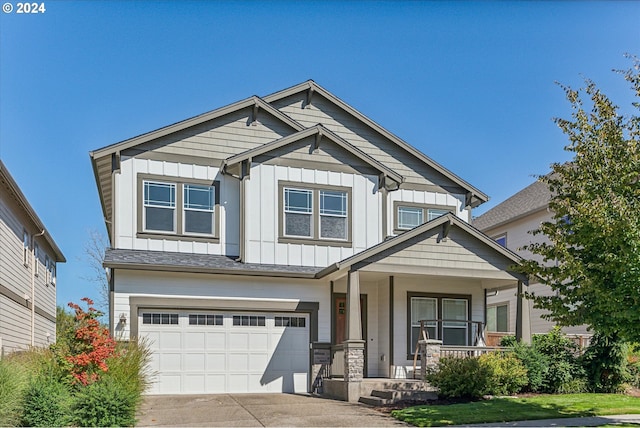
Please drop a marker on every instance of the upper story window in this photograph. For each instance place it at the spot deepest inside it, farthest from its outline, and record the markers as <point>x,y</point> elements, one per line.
<point>159,206</point>
<point>198,209</point>
<point>409,215</point>
<point>498,318</point>
<point>177,209</point>
<point>25,248</point>
<point>315,213</point>
<point>51,272</point>
<point>36,256</point>
<point>502,240</point>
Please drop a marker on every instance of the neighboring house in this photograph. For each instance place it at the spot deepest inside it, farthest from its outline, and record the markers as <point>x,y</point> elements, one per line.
<point>263,243</point>
<point>510,224</point>
<point>28,257</point>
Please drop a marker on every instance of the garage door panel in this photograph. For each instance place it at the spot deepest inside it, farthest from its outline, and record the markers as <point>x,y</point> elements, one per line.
<point>218,352</point>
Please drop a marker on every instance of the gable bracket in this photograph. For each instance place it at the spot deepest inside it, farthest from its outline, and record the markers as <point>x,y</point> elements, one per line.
<point>467,199</point>
<point>245,168</point>
<point>254,114</point>
<point>316,142</point>
<point>307,102</point>
<point>446,227</point>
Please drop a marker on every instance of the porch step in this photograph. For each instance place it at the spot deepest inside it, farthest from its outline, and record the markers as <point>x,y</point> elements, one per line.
<point>383,397</point>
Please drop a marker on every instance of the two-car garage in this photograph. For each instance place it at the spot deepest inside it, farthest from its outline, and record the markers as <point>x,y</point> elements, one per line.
<point>198,351</point>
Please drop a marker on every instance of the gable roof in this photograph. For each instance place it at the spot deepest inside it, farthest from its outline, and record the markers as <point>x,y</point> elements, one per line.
<point>15,191</point>
<point>532,198</point>
<point>318,131</point>
<point>391,245</point>
<point>476,196</point>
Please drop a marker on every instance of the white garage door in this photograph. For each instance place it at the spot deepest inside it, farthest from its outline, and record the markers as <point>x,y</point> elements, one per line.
<point>198,352</point>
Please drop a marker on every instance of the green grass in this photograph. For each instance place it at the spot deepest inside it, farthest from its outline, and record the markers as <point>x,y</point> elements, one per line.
<point>518,409</point>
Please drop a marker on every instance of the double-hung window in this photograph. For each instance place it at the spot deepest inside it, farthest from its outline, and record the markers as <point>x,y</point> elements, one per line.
<point>498,318</point>
<point>409,215</point>
<point>199,202</point>
<point>298,212</point>
<point>36,256</point>
<point>159,206</point>
<point>333,214</point>
<point>315,213</point>
<point>25,248</point>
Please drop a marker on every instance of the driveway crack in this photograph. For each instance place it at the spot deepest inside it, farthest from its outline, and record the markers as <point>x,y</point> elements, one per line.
<point>247,410</point>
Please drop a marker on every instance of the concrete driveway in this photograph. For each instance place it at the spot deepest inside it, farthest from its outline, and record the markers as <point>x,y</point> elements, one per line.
<point>257,410</point>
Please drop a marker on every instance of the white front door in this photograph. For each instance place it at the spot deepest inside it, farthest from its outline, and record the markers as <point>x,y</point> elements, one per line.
<point>197,352</point>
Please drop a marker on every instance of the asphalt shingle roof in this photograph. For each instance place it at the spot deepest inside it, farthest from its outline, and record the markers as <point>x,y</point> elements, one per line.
<point>180,262</point>
<point>529,199</point>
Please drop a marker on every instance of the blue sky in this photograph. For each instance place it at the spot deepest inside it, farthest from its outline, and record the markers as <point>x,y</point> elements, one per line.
<point>471,84</point>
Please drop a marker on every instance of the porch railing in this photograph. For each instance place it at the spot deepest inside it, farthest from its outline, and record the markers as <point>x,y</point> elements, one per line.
<point>467,351</point>
<point>474,330</point>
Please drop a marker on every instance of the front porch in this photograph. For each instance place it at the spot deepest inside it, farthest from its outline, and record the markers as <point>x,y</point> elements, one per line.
<point>438,273</point>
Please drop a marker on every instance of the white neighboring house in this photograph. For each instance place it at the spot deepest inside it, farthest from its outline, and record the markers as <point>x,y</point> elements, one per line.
<point>277,240</point>
<point>28,257</point>
<point>510,224</point>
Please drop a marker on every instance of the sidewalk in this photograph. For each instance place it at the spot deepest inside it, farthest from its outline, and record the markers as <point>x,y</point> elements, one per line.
<point>593,421</point>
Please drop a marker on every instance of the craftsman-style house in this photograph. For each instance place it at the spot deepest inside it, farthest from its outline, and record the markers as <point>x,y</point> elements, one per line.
<point>269,243</point>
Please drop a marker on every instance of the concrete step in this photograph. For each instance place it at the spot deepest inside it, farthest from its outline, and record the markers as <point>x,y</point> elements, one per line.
<point>396,395</point>
<point>375,401</point>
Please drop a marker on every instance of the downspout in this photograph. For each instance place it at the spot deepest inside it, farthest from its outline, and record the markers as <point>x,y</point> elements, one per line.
<point>33,286</point>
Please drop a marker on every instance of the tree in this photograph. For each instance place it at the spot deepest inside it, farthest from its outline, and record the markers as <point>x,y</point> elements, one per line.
<point>592,258</point>
<point>94,250</point>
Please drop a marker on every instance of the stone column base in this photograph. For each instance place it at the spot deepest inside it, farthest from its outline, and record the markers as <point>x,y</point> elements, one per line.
<point>429,355</point>
<point>353,368</point>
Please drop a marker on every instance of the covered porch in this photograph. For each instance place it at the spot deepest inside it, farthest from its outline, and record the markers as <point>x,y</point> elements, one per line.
<point>436,275</point>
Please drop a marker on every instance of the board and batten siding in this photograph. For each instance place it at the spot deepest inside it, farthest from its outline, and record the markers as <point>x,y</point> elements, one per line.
<point>262,227</point>
<point>223,288</point>
<point>15,318</point>
<point>128,200</point>
<point>357,133</point>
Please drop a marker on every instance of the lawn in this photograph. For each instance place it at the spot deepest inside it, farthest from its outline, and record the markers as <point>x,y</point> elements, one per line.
<point>518,409</point>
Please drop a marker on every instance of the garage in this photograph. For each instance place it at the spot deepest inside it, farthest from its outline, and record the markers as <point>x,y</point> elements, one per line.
<point>197,352</point>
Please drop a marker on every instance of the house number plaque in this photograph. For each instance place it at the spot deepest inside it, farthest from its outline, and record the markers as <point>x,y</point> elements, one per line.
<point>321,356</point>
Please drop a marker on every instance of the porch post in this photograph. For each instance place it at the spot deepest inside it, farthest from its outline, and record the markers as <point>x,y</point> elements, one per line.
<point>523,317</point>
<point>353,344</point>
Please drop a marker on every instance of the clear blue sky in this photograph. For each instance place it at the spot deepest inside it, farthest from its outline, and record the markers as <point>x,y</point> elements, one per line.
<point>471,84</point>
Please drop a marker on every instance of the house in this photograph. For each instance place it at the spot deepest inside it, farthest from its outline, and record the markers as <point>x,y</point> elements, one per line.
<point>510,224</point>
<point>28,258</point>
<point>273,242</point>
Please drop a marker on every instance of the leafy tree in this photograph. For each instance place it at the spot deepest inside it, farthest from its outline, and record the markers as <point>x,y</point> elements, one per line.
<point>592,258</point>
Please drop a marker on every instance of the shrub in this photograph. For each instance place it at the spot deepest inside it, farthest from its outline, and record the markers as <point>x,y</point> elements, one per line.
<point>13,382</point>
<point>536,364</point>
<point>130,367</point>
<point>46,402</point>
<point>460,378</point>
<point>605,362</point>
<point>507,374</point>
<point>508,341</point>
<point>104,404</point>
<point>564,367</point>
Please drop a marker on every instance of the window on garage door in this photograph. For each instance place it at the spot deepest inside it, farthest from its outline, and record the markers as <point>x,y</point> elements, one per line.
<point>159,318</point>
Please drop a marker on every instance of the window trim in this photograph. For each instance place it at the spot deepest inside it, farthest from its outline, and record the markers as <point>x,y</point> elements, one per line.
<point>496,305</point>
<point>439,327</point>
<point>425,212</point>
<point>315,239</point>
<point>178,234</point>
<point>500,236</point>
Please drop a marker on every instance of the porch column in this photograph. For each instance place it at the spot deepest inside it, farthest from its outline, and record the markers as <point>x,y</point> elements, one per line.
<point>523,317</point>
<point>353,344</point>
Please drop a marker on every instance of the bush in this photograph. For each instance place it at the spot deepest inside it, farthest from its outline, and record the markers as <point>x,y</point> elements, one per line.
<point>130,368</point>
<point>564,372</point>
<point>104,404</point>
<point>507,374</point>
<point>536,364</point>
<point>13,381</point>
<point>46,402</point>
<point>508,341</point>
<point>605,362</point>
<point>460,378</point>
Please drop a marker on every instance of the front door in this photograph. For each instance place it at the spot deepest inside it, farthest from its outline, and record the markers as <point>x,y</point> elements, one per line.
<point>340,321</point>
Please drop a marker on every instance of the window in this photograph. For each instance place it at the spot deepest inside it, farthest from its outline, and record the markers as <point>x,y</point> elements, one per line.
<point>333,214</point>
<point>290,322</point>
<point>298,212</point>
<point>36,253</point>
<point>47,262</point>
<point>178,210</point>
<point>249,320</point>
<point>25,250</point>
<point>198,209</point>
<point>202,319</point>
<point>160,319</point>
<point>498,318</point>
<point>502,240</point>
<point>159,206</point>
<point>446,318</point>
<point>51,272</point>
<point>409,215</point>
<point>320,213</point>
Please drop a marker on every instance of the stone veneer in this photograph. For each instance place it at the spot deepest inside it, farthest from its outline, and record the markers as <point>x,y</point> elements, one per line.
<point>429,355</point>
